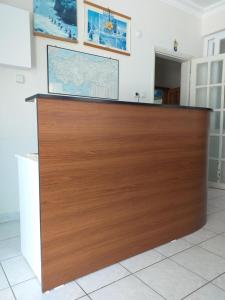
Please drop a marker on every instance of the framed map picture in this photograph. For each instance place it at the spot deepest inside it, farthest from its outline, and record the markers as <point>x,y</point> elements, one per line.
<point>107,29</point>
<point>56,19</point>
<point>82,74</point>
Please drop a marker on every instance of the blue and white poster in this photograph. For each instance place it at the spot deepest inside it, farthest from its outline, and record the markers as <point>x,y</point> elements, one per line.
<point>56,18</point>
<point>107,29</point>
<point>81,74</point>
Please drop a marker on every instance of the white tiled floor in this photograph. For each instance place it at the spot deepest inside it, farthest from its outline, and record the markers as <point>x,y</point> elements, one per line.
<point>191,268</point>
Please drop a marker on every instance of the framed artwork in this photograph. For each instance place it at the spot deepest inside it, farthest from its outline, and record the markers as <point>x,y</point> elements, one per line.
<point>107,29</point>
<point>56,19</point>
<point>81,74</point>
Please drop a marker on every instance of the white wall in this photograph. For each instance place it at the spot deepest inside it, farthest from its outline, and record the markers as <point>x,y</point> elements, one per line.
<point>15,22</point>
<point>213,22</point>
<point>160,25</point>
<point>168,73</point>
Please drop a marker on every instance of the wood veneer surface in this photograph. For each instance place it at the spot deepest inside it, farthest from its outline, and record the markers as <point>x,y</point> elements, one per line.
<point>116,180</point>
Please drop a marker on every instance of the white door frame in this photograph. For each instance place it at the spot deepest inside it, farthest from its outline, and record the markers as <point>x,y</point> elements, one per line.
<point>170,55</point>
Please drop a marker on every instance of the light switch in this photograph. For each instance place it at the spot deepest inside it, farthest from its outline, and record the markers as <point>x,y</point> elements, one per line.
<point>20,78</point>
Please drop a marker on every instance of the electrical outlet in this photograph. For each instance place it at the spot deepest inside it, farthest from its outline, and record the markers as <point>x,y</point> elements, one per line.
<point>20,78</point>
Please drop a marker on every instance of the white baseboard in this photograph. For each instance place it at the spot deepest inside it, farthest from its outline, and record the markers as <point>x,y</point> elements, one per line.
<point>9,217</point>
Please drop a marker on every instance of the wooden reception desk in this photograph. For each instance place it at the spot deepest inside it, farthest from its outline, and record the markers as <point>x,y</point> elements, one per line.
<point>116,179</point>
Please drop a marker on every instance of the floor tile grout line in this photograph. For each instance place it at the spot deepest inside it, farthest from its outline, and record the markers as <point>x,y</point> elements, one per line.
<point>13,293</point>
<point>10,238</point>
<point>212,252</point>
<point>14,285</point>
<point>8,282</point>
<point>192,293</point>
<point>207,228</point>
<point>89,295</point>
<point>187,269</point>
<point>149,286</point>
<point>20,255</point>
<point>106,284</point>
<point>86,294</point>
<point>129,275</point>
<point>6,259</point>
<point>167,257</point>
<point>192,245</point>
<point>218,235</point>
<point>119,263</point>
<point>80,298</point>
<point>217,285</point>
<point>13,220</point>
<point>190,271</point>
<point>1,268</point>
<point>155,249</point>
<point>142,269</point>
<point>134,274</point>
<point>209,282</point>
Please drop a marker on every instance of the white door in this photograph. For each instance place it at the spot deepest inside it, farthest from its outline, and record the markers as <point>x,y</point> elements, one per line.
<point>207,90</point>
<point>185,83</point>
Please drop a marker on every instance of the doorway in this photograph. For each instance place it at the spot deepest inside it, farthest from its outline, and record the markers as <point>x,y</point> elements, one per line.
<point>171,83</point>
<point>167,80</point>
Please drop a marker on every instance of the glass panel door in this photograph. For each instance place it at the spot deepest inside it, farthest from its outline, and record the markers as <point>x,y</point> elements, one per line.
<point>215,97</point>
<point>222,175</point>
<point>222,46</point>
<point>201,95</point>
<point>214,147</point>
<point>202,74</point>
<point>216,72</point>
<point>208,90</point>
<point>213,170</point>
<point>215,122</point>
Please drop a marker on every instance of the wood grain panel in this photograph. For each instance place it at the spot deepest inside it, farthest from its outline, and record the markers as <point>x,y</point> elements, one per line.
<point>116,180</point>
<point>58,38</point>
<point>107,48</point>
<point>106,9</point>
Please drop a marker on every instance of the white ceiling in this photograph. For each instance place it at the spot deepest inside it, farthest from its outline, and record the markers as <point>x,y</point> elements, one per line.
<point>199,7</point>
<point>205,3</point>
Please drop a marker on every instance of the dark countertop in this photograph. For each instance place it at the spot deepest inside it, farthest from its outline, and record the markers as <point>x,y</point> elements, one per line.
<point>101,100</point>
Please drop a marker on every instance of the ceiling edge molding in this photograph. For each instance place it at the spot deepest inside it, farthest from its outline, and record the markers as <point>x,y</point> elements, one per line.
<point>190,8</point>
<point>214,8</point>
<point>194,9</point>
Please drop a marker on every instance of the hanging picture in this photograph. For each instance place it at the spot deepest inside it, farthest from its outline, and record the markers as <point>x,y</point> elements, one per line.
<point>81,74</point>
<point>107,29</point>
<point>56,19</point>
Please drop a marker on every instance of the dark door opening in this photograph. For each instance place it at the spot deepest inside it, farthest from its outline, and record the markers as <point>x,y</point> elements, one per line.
<point>167,81</point>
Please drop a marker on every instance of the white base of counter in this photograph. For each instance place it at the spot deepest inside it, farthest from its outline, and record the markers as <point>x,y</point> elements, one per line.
<point>30,211</point>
